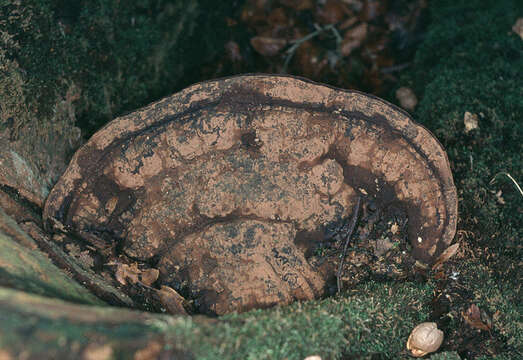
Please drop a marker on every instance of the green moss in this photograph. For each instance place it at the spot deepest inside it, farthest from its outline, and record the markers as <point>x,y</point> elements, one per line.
<point>472,61</point>
<point>497,297</point>
<point>376,319</point>
<point>451,355</point>
<point>121,55</point>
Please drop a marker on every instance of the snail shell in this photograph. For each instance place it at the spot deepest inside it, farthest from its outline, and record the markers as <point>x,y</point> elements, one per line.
<point>424,339</point>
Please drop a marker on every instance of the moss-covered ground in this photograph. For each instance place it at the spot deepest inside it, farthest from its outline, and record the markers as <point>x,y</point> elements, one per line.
<point>374,319</point>
<point>471,61</point>
<point>119,55</point>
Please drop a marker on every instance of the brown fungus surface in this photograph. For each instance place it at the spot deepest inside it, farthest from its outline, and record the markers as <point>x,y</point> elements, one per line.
<point>224,185</point>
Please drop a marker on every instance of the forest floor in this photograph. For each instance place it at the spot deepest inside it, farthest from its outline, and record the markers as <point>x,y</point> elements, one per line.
<point>459,65</point>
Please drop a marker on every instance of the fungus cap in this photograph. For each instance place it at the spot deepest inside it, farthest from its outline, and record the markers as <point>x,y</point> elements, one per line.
<point>215,184</point>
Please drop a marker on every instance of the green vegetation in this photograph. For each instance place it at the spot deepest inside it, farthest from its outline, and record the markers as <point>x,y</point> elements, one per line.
<point>471,61</point>
<point>118,55</point>
<point>377,319</point>
<point>370,321</point>
<point>503,297</point>
<point>71,65</point>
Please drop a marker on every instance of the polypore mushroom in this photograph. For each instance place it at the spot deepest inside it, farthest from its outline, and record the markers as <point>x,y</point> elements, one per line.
<point>218,184</point>
<point>424,339</point>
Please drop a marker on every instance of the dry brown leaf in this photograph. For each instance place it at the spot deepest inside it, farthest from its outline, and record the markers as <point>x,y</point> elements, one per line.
<point>298,5</point>
<point>309,59</point>
<point>332,12</point>
<point>149,276</point>
<point>267,46</point>
<point>73,249</point>
<point>171,300</point>
<point>407,98</point>
<point>471,121</point>
<point>518,27</point>
<point>254,12</point>
<point>278,18</point>
<point>125,272</point>
<point>348,23</point>
<point>445,255</point>
<point>440,275</point>
<point>59,238</point>
<point>372,9</point>
<point>111,205</point>
<point>151,351</point>
<point>477,318</point>
<point>353,38</point>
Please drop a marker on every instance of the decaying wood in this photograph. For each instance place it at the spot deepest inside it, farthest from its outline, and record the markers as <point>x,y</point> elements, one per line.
<point>24,267</point>
<point>216,185</point>
<point>34,327</point>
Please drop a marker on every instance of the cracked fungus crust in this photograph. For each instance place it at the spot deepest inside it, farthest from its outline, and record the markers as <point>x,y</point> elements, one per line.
<point>214,183</point>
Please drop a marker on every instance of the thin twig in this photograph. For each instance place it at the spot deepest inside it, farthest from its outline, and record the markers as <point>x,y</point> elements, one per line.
<point>297,43</point>
<point>510,177</point>
<point>347,240</point>
<point>336,34</point>
<point>394,68</point>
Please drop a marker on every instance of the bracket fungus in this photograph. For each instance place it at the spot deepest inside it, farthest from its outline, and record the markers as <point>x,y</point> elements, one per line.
<point>218,185</point>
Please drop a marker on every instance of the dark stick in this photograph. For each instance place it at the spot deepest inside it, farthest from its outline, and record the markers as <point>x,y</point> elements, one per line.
<point>347,239</point>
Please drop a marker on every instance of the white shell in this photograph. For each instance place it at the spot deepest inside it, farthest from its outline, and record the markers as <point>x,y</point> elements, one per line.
<point>424,339</point>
